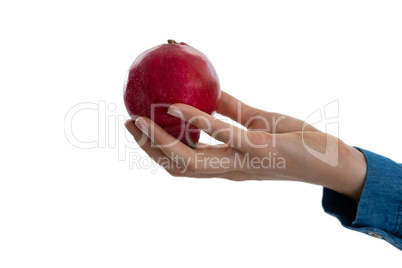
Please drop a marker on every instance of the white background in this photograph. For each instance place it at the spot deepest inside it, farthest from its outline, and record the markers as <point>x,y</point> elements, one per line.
<point>63,206</point>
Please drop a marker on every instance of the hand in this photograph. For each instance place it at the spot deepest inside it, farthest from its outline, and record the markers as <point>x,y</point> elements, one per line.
<point>272,147</point>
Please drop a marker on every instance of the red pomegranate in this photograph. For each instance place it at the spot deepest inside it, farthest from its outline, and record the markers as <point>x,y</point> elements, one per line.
<point>167,74</point>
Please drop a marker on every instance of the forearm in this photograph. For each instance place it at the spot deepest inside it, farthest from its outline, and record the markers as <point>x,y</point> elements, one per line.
<point>325,160</point>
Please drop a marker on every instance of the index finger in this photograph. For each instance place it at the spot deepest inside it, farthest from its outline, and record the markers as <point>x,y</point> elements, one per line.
<point>234,109</point>
<point>222,131</point>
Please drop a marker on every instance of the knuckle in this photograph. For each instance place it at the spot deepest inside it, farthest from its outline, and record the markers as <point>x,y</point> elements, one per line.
<point>220,135</point>
<point>258,139</point>
<point>191,168</point>
<point>174,172</point>
<point>197,121</point>
<point>194,121</point>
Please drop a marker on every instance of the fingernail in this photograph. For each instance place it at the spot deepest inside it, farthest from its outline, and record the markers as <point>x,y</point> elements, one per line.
<point>142,125</point>
<point>173,111</point>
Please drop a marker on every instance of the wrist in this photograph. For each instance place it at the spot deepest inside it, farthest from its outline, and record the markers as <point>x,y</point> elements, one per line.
<point>349,176</point>
<point>354,171</point>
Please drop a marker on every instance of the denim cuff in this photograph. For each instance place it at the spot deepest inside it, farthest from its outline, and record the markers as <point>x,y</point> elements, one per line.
<point>379,211</point>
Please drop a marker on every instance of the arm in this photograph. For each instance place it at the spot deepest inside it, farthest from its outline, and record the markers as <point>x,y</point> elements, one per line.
<point>302,152</point>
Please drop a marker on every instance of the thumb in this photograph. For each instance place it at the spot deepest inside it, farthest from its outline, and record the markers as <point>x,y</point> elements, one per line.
<point>256,119</point>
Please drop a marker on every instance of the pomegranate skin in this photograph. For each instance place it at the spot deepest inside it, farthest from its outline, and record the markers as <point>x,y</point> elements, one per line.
<point>167,74</point>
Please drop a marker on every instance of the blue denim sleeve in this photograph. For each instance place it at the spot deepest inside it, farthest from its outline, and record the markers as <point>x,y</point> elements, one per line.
<point>379,211</point>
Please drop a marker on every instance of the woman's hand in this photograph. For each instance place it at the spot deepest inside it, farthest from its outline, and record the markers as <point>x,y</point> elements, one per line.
<point>272,146</point>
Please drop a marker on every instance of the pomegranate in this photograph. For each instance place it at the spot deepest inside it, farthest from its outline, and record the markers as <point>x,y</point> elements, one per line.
<point>167,74</point>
